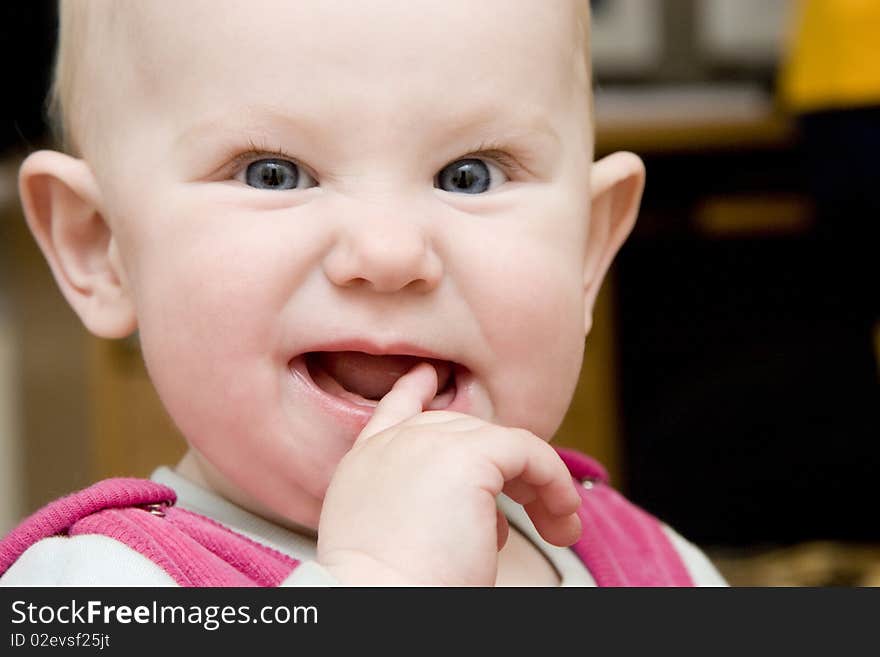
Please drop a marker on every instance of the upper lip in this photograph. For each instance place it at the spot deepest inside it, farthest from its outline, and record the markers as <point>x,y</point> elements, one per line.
<point>376,349</point>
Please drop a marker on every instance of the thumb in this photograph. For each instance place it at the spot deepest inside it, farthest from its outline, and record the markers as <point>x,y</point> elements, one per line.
<point>407,398</point>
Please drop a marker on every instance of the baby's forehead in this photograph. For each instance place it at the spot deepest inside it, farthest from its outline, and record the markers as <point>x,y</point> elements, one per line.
<point>166,52</point>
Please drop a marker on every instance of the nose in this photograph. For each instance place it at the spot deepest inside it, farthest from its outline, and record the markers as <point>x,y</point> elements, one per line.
<point>386,255</point>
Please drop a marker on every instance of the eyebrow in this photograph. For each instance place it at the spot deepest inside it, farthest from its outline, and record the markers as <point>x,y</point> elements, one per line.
<point>242,117</point>
<point>515,125</point>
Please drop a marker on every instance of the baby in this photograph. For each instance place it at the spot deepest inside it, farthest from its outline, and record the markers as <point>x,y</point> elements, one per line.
<point>361,243</point>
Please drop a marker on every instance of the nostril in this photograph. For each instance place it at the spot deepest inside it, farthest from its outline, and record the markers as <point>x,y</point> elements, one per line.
<point>419,285</point>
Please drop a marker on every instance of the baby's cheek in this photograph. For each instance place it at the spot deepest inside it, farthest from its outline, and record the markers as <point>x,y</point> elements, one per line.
<point>206,319</point>
<point>536,332</point>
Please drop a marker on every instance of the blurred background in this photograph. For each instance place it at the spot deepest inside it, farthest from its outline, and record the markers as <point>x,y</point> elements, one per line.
<point>731,379</point>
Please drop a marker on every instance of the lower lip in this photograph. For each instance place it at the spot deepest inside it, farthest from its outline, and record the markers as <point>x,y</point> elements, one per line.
<point>347,410</point>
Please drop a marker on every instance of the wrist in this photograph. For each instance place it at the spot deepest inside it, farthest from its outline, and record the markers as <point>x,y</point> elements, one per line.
<point>353,568</point>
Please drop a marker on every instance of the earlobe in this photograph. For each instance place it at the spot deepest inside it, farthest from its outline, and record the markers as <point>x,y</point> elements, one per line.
<point>61,202</point>
<point>616,185</point>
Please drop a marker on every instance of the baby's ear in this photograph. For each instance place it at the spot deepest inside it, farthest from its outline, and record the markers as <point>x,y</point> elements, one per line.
<point>616,186</point>
<point>62,204</point>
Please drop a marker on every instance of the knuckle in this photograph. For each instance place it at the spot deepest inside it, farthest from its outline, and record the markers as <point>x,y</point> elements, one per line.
<point>438,416</point>
<point>446,416</point>
<point>524,434</point>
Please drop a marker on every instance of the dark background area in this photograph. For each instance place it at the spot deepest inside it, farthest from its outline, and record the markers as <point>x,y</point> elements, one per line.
<point>27,48</point>
<point>748,380</point>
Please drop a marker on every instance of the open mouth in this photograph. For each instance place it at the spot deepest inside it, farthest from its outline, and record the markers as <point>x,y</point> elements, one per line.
<point>363,379</point>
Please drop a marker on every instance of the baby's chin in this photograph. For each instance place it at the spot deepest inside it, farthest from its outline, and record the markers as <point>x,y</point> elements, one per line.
<point>197,469</point>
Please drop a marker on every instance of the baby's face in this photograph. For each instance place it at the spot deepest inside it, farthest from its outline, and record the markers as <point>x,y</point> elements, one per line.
<point>291,179</point>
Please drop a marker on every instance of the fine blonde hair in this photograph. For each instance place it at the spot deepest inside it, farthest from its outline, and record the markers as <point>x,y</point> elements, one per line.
<point>83,29</point>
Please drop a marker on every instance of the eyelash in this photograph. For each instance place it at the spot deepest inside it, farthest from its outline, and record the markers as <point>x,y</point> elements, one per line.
<point>255,153</point>
<point>486,150</point>
<point>497,154</point>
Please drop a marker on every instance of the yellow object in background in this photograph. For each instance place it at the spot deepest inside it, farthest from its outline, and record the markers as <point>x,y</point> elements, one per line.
<point>833,58</point>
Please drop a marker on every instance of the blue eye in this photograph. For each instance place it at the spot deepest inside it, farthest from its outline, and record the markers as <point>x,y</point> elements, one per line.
<point>469,176</point>
<point>273,173</point>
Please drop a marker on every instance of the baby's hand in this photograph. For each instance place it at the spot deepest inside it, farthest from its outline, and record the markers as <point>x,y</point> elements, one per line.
<point>413,502</point>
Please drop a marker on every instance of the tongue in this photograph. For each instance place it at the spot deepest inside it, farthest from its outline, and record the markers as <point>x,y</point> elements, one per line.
<point>373,376</point>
